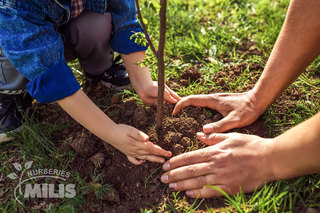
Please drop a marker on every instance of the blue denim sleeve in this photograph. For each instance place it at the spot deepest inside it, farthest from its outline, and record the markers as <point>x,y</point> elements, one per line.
<point>124,14</point>
<point>36,50</point>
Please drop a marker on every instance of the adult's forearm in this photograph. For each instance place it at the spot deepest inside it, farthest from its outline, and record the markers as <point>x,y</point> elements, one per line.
<point>296,152</point>
<point>296,47</point>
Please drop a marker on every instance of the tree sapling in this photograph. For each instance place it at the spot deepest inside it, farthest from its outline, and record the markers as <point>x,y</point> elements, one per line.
<point>159,53</point>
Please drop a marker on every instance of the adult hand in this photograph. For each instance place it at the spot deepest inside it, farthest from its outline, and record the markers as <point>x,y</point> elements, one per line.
<point>237,162</point>
<point>149,94</point>
<point>238,109</point>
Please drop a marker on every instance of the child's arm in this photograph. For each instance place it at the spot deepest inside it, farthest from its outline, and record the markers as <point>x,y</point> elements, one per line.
<point>132,142</point>
<point>142,82</point>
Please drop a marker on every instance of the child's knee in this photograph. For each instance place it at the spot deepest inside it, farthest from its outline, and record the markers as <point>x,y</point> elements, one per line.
<point>90,28</point>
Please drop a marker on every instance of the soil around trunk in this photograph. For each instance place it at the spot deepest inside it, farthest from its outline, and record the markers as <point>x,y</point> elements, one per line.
<point>136,187</point>
<point>139,187</point>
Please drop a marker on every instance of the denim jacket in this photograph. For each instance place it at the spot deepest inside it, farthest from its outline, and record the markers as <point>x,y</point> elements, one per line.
<point>30,40</point>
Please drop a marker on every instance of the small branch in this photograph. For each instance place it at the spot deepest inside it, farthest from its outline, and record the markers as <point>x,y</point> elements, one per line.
<point>145,29</point>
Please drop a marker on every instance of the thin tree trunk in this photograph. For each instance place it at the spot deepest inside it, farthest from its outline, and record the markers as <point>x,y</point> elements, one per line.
<point>160,99</point>
<point>159,53</point>
<point>161,66</point>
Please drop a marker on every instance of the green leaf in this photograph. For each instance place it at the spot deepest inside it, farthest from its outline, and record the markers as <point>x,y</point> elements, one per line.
<point>139,38</point>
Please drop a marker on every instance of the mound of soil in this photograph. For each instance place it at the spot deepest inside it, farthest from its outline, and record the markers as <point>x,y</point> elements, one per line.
<point>140,186</point>
<point>190,75</point>
<point>136,187</point>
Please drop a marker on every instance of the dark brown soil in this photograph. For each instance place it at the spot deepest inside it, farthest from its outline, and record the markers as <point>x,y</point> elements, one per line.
<point>249,48</point>
<point>188,76</point>
<point>136,187</point>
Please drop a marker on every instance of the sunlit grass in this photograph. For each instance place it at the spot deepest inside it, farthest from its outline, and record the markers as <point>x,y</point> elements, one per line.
<point>201,33</point>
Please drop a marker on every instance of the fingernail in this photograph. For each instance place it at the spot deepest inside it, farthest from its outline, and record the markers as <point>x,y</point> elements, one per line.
<point>166,166</point>
<point>208,128</point>
<point>200,134</point>
<point>172,185</point>
<point>169,154</point>
<point>189,193</point>
<point>164,178</point>
<point>162,161</point>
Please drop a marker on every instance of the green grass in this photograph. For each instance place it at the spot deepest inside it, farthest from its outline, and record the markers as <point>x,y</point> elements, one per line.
<point>35,143</point>
<point>201,33</point>
<point>201,30</point>
<point>175,203</point>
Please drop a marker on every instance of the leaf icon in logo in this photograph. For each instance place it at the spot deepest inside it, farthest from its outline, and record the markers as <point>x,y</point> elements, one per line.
<point>28,164</point>
<point>17,166</point>
<point>13,176</point>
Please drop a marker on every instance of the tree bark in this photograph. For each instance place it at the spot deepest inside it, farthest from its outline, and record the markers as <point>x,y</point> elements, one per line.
<point>161,65</point>
<point>159,53</point>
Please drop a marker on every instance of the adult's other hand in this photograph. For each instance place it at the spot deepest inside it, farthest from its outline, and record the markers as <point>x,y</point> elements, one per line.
<point>237,161</point>
<point>238,109</point>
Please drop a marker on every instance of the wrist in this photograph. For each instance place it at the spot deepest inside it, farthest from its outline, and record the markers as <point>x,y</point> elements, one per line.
<point>111,137</point>
<point>259,102</point>
<point>271,171</point>
<point>141,84</point>
<point>296,151</point>
<point>282,161</point>
<point>144,89</point>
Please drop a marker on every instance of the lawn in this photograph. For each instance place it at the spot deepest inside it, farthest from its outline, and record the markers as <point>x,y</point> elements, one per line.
<point>225,45</point>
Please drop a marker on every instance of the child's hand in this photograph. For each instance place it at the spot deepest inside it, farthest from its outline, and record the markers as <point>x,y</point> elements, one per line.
<point>149,94</point>
<point>132,142</point>
<point>136,145</point>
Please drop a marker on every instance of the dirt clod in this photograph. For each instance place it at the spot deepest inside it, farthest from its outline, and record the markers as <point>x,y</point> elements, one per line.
<point>184,82</point>
<point>192,74</point>
<point>83,145</point>
<point>140,117</point>
<point>115,99</point>
<point>178,149</point>
<point>108,162</point>
<point>97,160</point>
<point>112,196</point>
<point>202,117</point>
<point>173,137</point>
<point>185,141</point>
<point>189,126</point>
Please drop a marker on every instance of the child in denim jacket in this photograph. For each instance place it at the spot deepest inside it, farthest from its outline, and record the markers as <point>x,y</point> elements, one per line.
<point>37,37</point>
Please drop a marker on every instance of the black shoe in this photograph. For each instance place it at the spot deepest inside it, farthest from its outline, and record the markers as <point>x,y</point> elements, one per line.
<point>116,77</point>
<point>11,107</point>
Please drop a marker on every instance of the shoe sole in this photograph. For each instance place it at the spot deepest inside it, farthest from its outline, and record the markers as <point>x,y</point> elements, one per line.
<point>114,87</point>
<point>4,137</point>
